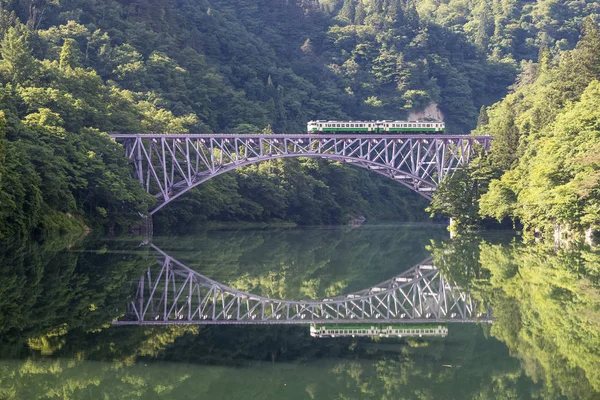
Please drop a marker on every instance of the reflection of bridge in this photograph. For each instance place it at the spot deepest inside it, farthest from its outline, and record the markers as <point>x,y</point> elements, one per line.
<point>180,295</point>
<point>170,165</point>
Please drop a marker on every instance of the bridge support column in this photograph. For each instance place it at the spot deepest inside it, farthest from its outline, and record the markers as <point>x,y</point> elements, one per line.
<point>144,228</point>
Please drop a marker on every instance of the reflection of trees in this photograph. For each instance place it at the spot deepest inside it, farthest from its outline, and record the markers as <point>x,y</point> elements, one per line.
<point>546,304</point>
<point>47,291</point>
<point>464,366</point>
<point>547,307</point>
<point>303,263</point>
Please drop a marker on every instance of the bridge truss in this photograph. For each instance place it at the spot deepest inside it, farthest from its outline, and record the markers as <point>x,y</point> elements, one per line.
<point>170,165</point>
<point>178,295</point>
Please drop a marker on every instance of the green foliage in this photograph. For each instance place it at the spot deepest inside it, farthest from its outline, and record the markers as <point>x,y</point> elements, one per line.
<point>515,29</point>
<point>303,191</point>
<point>458,196</point>
<point>17,62</point>
<point>547,138</point>
<point>547,313</point>
<point>545,304</point>
<point>71,70</point>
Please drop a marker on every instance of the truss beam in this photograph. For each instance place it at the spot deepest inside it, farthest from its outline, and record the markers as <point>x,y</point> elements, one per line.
<point>170,165</point>
<point>175,294</point>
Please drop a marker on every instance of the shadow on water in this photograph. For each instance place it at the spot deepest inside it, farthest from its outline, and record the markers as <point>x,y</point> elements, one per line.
<point>58,300</point>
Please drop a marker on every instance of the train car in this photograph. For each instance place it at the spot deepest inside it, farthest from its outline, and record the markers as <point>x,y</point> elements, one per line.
<point>383,330</point>
<point>323,126</point>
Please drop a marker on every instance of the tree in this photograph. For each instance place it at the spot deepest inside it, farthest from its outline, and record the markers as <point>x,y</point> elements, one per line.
<point>483,119</point>
<point>2,154</point>
<point>505,146</point>
<point>17,62</point>
<point>587,52</point>
<point>456,198</point>
<point>69,54</point>
<point>347,11</point>
<point>360,14</point>
<point>307,48</point>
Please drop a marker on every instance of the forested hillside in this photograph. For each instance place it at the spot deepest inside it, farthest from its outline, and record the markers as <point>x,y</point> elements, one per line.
<point>73,70</point>
<point>544,168</point>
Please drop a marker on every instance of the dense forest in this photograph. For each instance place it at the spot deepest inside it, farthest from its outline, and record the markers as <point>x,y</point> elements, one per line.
<point>543,169</point>
<point>73,70</point>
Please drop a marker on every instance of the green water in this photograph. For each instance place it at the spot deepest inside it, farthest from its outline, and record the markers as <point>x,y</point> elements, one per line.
<point>57,299</point>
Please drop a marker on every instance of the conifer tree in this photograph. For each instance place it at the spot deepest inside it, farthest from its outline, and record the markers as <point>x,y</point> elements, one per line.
<point>360,13</point>
<point>69,54</point>
<point>394,12</point>
<point>17,61</point>
<point>348,11</point>
<point>587,52</point>
<point>2,134</point>
<point>483,119</point>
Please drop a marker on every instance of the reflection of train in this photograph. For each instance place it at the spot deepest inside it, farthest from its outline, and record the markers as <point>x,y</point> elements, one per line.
<point>375,126</point>
<point>403,330</point>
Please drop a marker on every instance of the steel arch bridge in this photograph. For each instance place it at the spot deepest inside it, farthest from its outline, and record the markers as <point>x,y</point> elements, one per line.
<point>170,165</point>
<point>178,295</point>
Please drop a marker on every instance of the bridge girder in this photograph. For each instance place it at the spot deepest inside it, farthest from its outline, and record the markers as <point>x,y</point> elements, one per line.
<point>170,165</point>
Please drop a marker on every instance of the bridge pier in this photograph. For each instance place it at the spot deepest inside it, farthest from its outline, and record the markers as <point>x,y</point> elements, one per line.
<point>144,228</point>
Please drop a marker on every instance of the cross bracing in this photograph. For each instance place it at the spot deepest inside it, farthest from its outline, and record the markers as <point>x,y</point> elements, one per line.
<point>170,165</point>
<point>172,293</point>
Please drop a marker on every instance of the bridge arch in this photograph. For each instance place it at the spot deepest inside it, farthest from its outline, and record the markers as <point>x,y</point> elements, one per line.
<point>171,165</point>
<point>179,295</point>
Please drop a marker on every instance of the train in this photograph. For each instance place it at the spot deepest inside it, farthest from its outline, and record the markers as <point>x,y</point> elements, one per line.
<point>381,330</point>
<point>321,126</point>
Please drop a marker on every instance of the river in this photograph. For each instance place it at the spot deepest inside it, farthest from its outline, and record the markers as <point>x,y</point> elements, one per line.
<point>59,297</point>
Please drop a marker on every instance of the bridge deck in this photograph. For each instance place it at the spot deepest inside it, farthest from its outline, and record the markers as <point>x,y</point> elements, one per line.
<point>295,136</point>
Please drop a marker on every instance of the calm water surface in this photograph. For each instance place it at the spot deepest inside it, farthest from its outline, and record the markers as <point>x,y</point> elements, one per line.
<point>57,300</point>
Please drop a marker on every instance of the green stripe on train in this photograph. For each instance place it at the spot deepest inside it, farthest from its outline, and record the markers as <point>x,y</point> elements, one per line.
<point>377,326</point>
